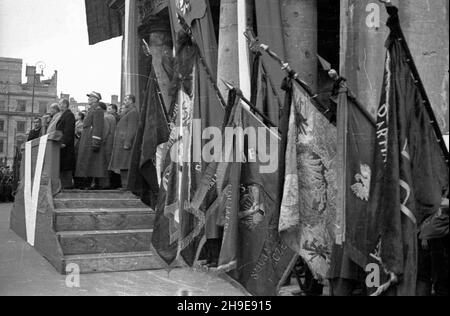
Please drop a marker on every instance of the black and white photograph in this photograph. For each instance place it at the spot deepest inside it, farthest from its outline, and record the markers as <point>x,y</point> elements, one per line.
<point>235,150</point>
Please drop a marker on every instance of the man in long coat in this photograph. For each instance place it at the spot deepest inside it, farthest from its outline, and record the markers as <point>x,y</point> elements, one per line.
<point>66,125</point>
<point>91,162</point>
<point>124,140</point>
<point>108,135</point>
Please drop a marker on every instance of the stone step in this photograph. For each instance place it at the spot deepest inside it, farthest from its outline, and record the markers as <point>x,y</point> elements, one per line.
<point>80,194</point>
<point>103,219</point>
<point>115,262</point>
<point>108,241</point>
<point>93,203</point>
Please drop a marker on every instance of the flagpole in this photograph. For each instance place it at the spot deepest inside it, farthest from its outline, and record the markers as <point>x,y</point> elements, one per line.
<point>256,46</point>
<point>341,82</point>
<point>213,82</point>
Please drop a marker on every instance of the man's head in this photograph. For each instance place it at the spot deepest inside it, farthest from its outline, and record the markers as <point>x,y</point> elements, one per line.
<point>102,106</point>
<point>112,108</point>
<point>129,100</point>
<point>37,123</point>
<point>81,116</point>
<point>54,109</point>
<point>64,105</point>
<point>94,98</point>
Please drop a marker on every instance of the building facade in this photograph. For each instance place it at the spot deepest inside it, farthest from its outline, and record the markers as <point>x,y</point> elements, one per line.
<point>350,34</point>
<point>20,103</point>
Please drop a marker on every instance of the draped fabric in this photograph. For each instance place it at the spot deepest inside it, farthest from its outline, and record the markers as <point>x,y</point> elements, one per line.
<point>152,131</point>
<point>252,252</point>
<point>103,22</point>
<point>308,207</point>
<point>410,175</point>
<point>180,224</point>
<point>264,94</point>
<point>356,130</point>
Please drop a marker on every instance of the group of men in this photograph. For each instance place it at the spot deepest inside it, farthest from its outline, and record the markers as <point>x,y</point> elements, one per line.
<point>96,146</point>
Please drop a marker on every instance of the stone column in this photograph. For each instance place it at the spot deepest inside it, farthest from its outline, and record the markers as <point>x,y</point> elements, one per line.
<point>157,33</point>
<point>363,34</point>
<point>300,37</point>
<point>425,24</point>
<point>228,61</point>
<point>130,51</point>
<point>229,43</point>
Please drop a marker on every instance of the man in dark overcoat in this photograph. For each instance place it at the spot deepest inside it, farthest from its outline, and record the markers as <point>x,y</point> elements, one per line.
<point>66,125</point>
<point>91,162</point>
<point>124,139</point>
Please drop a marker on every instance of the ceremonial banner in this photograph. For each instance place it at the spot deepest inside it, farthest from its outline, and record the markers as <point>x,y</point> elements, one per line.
<point>264,94</point>
<point>176,190</point>
<point>252,250</point>
<point>411,174</point>
<point>179,226</point>
<point>308,208</point>
<point>355,148</point>
<point>356,145</point>
<point>153,130</point>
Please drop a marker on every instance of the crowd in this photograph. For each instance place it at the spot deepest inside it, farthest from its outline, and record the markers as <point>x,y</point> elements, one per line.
<point>95,144</point>
<point>6,184</point>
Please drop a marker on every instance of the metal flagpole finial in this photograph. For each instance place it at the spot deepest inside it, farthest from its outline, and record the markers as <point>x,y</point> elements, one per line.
<point>325,64</point>
<point>386,2</point>
<point>332,73</point>
<point>228,84</point>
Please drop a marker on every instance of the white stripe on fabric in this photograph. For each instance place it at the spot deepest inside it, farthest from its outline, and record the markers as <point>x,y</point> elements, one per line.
<point>31,193</point>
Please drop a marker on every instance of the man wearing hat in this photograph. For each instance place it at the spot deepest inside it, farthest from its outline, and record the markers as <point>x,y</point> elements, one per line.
<point>91,161</point>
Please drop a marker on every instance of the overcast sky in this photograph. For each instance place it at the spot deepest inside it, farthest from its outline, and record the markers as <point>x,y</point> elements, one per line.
<point>55,32</point>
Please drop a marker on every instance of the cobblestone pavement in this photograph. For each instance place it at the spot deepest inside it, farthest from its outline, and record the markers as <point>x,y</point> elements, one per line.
<point>24,272</point>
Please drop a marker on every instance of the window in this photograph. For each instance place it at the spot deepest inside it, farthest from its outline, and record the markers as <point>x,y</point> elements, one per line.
<point>21,106</point>
<point>21,127</point>
<point>2,105</point>
<point>2,146</point>
<point>42,107</point>
<point>2,126</point>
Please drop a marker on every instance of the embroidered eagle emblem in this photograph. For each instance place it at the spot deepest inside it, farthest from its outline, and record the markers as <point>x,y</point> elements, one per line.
<point>362,187</point>
<point>251,212</point>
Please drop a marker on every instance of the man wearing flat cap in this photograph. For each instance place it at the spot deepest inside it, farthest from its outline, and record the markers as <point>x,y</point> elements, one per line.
<point>91,162</point>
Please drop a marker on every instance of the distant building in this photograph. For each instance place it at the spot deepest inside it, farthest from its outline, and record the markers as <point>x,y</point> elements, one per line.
<point>76,107</point>
<point>115,99</point>
<point>17,107</point>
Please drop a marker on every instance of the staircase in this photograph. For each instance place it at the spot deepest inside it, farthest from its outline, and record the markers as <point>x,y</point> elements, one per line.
<point>105,231</point>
